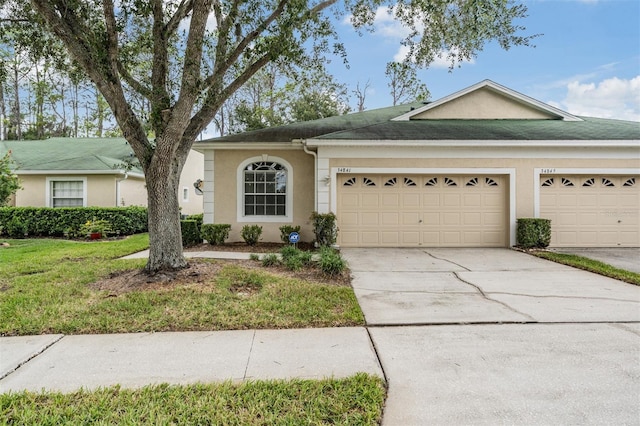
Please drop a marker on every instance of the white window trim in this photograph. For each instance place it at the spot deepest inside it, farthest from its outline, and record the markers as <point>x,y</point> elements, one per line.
<point>537,172</point>
<point>288,217</point>
<point>185,190</point>
<point>49,180</point>
<point>511,172</point>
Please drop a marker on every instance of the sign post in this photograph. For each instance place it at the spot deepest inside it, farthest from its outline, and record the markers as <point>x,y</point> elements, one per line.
<point>294,237</point>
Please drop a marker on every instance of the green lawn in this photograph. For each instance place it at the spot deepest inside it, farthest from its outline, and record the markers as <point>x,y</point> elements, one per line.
<point>591,266</point>
<point>45,287</point>
<point>357,400</point>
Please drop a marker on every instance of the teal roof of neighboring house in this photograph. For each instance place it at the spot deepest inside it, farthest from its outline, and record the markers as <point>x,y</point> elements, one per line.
<point>377,125</point>
<point>95,155</point>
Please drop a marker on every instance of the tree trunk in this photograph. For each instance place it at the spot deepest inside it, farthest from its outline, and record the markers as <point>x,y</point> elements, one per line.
<point>165,236</point>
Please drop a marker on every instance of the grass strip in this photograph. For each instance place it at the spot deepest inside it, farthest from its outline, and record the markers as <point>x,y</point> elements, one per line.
<point>45,287</point>
<point>590,265</point>
<point>357,400</point>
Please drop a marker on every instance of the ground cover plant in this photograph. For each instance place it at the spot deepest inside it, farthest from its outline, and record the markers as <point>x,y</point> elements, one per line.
<point>590,265</point>
<point>77,287</point>
<point>356,400</point>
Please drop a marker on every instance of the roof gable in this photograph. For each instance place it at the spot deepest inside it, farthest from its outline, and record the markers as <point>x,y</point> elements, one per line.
<point>487,100</point>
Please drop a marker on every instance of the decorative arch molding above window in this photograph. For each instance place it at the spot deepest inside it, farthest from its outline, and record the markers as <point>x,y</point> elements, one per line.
<point>490,182</point>
<point>567,182</point>
<point>472,182</point>
<point>630,182</point>
<point>589,182</point>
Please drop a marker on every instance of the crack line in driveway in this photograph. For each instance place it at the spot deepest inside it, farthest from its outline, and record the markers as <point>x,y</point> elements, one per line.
<point>40,352</point>
<point>563,297</point>
<point>447,260</point>
<point>246,367</point>
<point>455,274</point>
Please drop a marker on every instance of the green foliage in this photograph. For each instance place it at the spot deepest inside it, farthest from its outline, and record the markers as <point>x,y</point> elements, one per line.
<point>190,233</point>
<point>46,288</point>
<point>198,218</point>
<point>591,265</point>
<point>16,228</point>
<point>533,233</point>
<point>254,257</point>
<point>9,181</point>
<point>355,400</point>
<point>251,234</point>
<point>285,230</point>
<point>270,259</point>
<point>295,259</point>
<point>325,228</point>
<point>96,226</point>
<point>215,233</point>
<point>67,221</point>
<point>404,83</point>
<point>331,263</point>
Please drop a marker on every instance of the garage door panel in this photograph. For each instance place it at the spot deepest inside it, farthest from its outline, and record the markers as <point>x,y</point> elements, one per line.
<point>390,218</point>
<point>369,218</point>
<point>422,211</point>
<point>370,201</point>
<point>606,212</point>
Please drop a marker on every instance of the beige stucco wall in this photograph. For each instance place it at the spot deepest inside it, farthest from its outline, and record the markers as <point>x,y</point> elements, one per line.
<point>132,192</point>
<point>225,171</point>
<point>192,171</point>
<point>32,193</point>
<point>482,104</point>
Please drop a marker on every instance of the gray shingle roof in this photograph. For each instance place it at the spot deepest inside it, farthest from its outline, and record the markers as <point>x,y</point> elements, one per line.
<point>377,125</point>
<point>70,154</point>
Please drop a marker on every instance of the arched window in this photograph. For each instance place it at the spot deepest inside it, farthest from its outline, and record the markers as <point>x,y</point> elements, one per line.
<point>265,190</point>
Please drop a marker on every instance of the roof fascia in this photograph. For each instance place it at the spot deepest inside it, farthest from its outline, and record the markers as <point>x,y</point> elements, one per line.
<point>205,146</point>
<point>517,143</point>
<point>534,103</point>
<point>79,172</point>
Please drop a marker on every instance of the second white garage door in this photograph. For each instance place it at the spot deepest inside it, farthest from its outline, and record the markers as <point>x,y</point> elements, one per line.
<point>422,210</point>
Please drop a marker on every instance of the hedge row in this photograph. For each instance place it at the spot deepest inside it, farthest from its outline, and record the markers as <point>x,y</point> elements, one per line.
<point>66,221</point>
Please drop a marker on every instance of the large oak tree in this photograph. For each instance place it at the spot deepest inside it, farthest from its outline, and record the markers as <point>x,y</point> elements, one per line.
<point>184,58</point>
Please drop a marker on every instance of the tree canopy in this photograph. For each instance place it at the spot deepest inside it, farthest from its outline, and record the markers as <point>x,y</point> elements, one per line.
<point>182,59</point>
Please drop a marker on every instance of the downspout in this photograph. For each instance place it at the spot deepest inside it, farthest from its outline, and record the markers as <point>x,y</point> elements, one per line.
<point>315,170</point>
<point>118,181</point>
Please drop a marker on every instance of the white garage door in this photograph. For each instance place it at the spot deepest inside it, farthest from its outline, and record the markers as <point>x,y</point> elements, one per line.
<point>592,211</point>
<point>422,210</point>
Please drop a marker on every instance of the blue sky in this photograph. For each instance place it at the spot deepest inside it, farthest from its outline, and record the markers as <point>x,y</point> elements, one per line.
<point>586,62</point>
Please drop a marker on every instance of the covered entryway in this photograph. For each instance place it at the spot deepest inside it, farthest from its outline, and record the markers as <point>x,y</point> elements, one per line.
<point>591,211</point>
<point>396,210</point>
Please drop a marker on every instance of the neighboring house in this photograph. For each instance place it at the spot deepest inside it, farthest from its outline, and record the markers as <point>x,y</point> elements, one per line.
<point>101,172</point>
<point>456,172</point>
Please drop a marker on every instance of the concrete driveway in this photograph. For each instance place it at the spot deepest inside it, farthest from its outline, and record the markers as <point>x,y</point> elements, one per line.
<point>494,336</point>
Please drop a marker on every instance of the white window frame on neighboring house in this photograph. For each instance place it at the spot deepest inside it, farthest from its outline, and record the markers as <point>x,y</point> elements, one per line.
<point>49,197</point>
<point>288,216</point>
<point>185,194</point>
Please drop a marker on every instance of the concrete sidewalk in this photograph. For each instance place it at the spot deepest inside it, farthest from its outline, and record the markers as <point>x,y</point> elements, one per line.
<point>68,363</point>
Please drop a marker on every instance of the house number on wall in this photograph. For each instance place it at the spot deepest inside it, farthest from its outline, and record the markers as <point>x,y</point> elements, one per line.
<point>548,170</point>
<point>344,170</point>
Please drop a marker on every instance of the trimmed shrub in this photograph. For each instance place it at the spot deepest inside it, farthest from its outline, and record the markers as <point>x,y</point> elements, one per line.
<point>285,230</point>
<point>533,233</point>
<point>16,229</point>
<point>66,221</point>
<point>215,233</point>
<point>251,234</point>
<point>325,228</point>
<point>331,263</point>
<point>198,218</point>
<point>270,259</point>
<point>190,233</point>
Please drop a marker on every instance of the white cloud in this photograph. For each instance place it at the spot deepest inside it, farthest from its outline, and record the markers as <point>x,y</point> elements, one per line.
<point>440,61</point>
<point>611,98</point>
